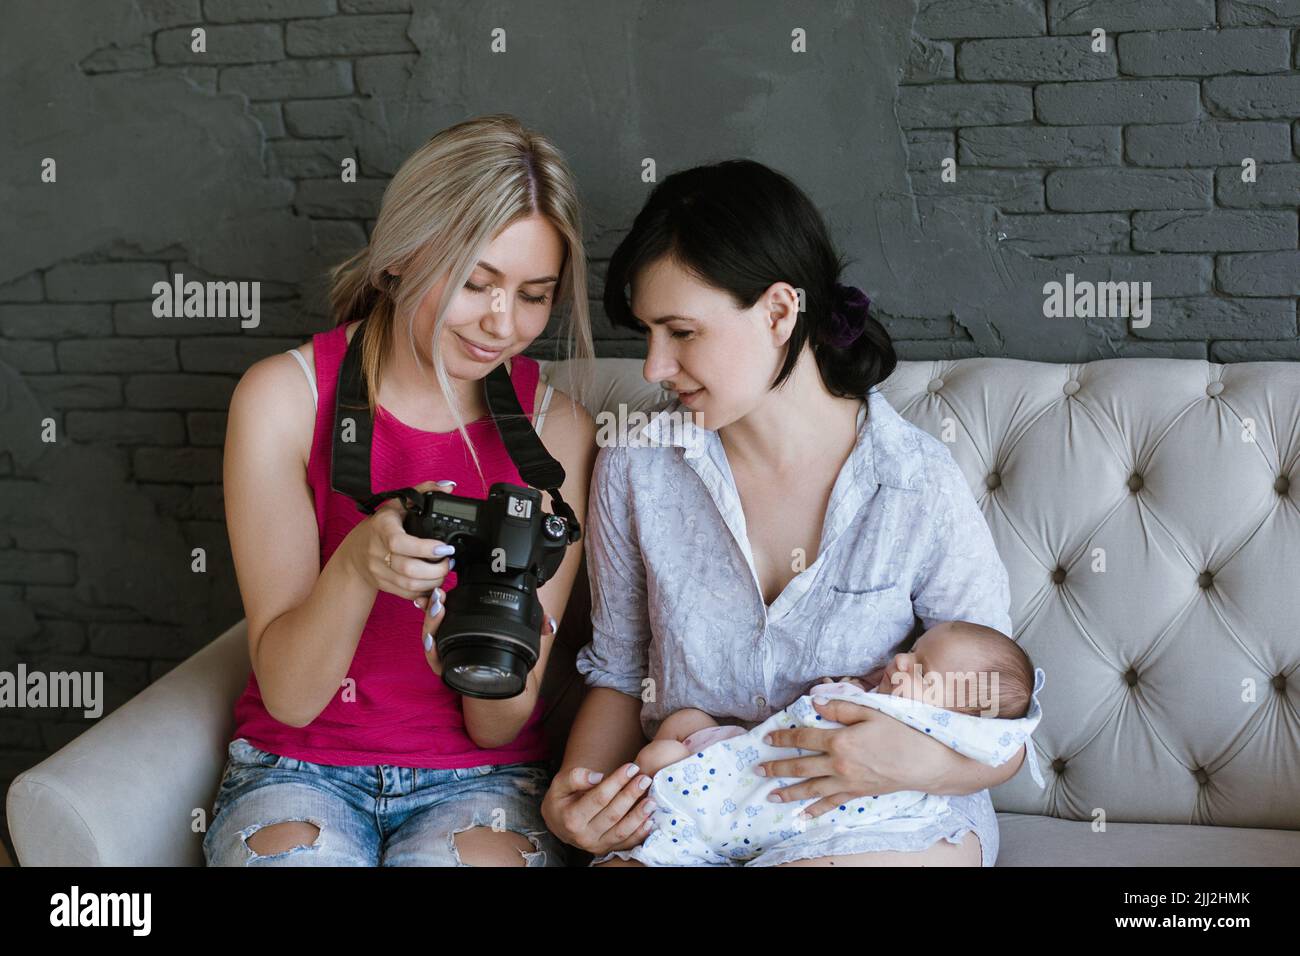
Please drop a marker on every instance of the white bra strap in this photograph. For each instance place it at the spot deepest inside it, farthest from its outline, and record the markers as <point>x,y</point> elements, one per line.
<point>541,413</point>
<point>311,379</point>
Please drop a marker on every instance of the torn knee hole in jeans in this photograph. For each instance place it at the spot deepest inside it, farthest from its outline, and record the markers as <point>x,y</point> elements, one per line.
<point>296,846</point>
<point>535,858</point>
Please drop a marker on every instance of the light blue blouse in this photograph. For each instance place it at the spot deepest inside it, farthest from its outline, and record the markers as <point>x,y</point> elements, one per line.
<point>678,617</point>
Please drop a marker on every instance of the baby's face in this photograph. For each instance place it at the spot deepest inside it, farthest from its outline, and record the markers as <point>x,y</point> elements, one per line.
<point>936,672</point>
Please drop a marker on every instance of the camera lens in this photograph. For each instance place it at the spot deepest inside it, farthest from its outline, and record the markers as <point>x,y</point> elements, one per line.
<point>486,679</point>
<point>490,638</point>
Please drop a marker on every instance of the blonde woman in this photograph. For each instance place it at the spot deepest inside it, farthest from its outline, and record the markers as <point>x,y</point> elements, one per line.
<point>348,748</point>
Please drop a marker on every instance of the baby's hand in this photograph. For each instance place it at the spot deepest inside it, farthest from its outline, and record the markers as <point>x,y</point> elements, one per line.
<point>856,682</point>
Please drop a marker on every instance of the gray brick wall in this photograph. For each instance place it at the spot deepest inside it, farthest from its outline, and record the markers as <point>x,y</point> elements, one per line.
<point>1126,160</point>
<point>1118,164</point>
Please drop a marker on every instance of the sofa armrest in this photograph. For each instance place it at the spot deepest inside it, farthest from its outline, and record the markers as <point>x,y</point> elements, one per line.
<point>124,792</point>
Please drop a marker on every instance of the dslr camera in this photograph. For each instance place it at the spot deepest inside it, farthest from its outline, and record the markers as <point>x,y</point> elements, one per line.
<point>506,548</point>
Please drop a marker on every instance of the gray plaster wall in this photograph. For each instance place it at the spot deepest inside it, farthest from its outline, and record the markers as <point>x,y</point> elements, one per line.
<point>1115,165</point>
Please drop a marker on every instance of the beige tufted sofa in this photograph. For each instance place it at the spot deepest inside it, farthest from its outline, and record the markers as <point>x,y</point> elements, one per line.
<point>1148,511</point>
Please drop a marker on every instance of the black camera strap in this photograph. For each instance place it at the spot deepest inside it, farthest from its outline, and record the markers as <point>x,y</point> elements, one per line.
<point>350,460</point>
<point>536,466</point>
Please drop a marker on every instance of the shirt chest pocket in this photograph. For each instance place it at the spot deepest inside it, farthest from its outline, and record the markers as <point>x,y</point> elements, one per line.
<point>854,626</point>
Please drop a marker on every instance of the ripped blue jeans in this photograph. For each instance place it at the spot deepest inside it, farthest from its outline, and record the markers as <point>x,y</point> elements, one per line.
<point>376,815</point>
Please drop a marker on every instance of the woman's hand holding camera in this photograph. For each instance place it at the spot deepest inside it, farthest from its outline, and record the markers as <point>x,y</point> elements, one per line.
<point>390,560</point>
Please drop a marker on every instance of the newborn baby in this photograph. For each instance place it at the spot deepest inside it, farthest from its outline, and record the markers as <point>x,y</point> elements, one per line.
<point>968,685</point>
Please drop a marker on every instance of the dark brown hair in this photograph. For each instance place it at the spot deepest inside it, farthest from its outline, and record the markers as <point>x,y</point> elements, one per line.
<point>739,227</point>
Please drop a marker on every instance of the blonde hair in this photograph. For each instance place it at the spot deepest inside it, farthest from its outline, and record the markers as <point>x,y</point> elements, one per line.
<point>441,209</point>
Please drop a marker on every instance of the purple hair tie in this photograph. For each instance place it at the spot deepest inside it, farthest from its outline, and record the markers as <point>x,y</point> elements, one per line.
<point>848,316</point>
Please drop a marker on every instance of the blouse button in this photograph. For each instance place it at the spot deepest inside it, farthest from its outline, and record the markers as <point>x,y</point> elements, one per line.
<point>760,700</point>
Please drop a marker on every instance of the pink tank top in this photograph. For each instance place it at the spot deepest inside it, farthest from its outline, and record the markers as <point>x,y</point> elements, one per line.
<point>403,714</point>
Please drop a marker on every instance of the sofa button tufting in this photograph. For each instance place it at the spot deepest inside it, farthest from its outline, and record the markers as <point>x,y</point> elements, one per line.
<point>1131,676</point>
<point>1071,387</point>
<point>1279,682</point>
<point>1282,485</point>
<point>1135,482</point>
<point>1058,765</point>
<point>1201,776</point>
<point>1214,388</point>
<point>993,480</point>
<point>1058,575</point>
<point>935,384</point>
<point>1205,579</point>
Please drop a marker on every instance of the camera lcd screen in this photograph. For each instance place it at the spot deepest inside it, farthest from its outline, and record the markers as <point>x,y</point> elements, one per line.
<point>455,509</point>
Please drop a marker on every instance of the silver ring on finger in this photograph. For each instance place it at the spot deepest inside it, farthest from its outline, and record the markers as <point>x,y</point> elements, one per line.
<point>388,559</point>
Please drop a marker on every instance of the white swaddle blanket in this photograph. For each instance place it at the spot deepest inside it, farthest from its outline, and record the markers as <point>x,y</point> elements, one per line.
<point>711,808</point>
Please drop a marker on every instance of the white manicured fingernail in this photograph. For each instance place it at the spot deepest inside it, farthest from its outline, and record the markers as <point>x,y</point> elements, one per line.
<point>428,643</point>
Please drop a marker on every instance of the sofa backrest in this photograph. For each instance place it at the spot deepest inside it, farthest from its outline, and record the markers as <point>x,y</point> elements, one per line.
<point>1147,513</point>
